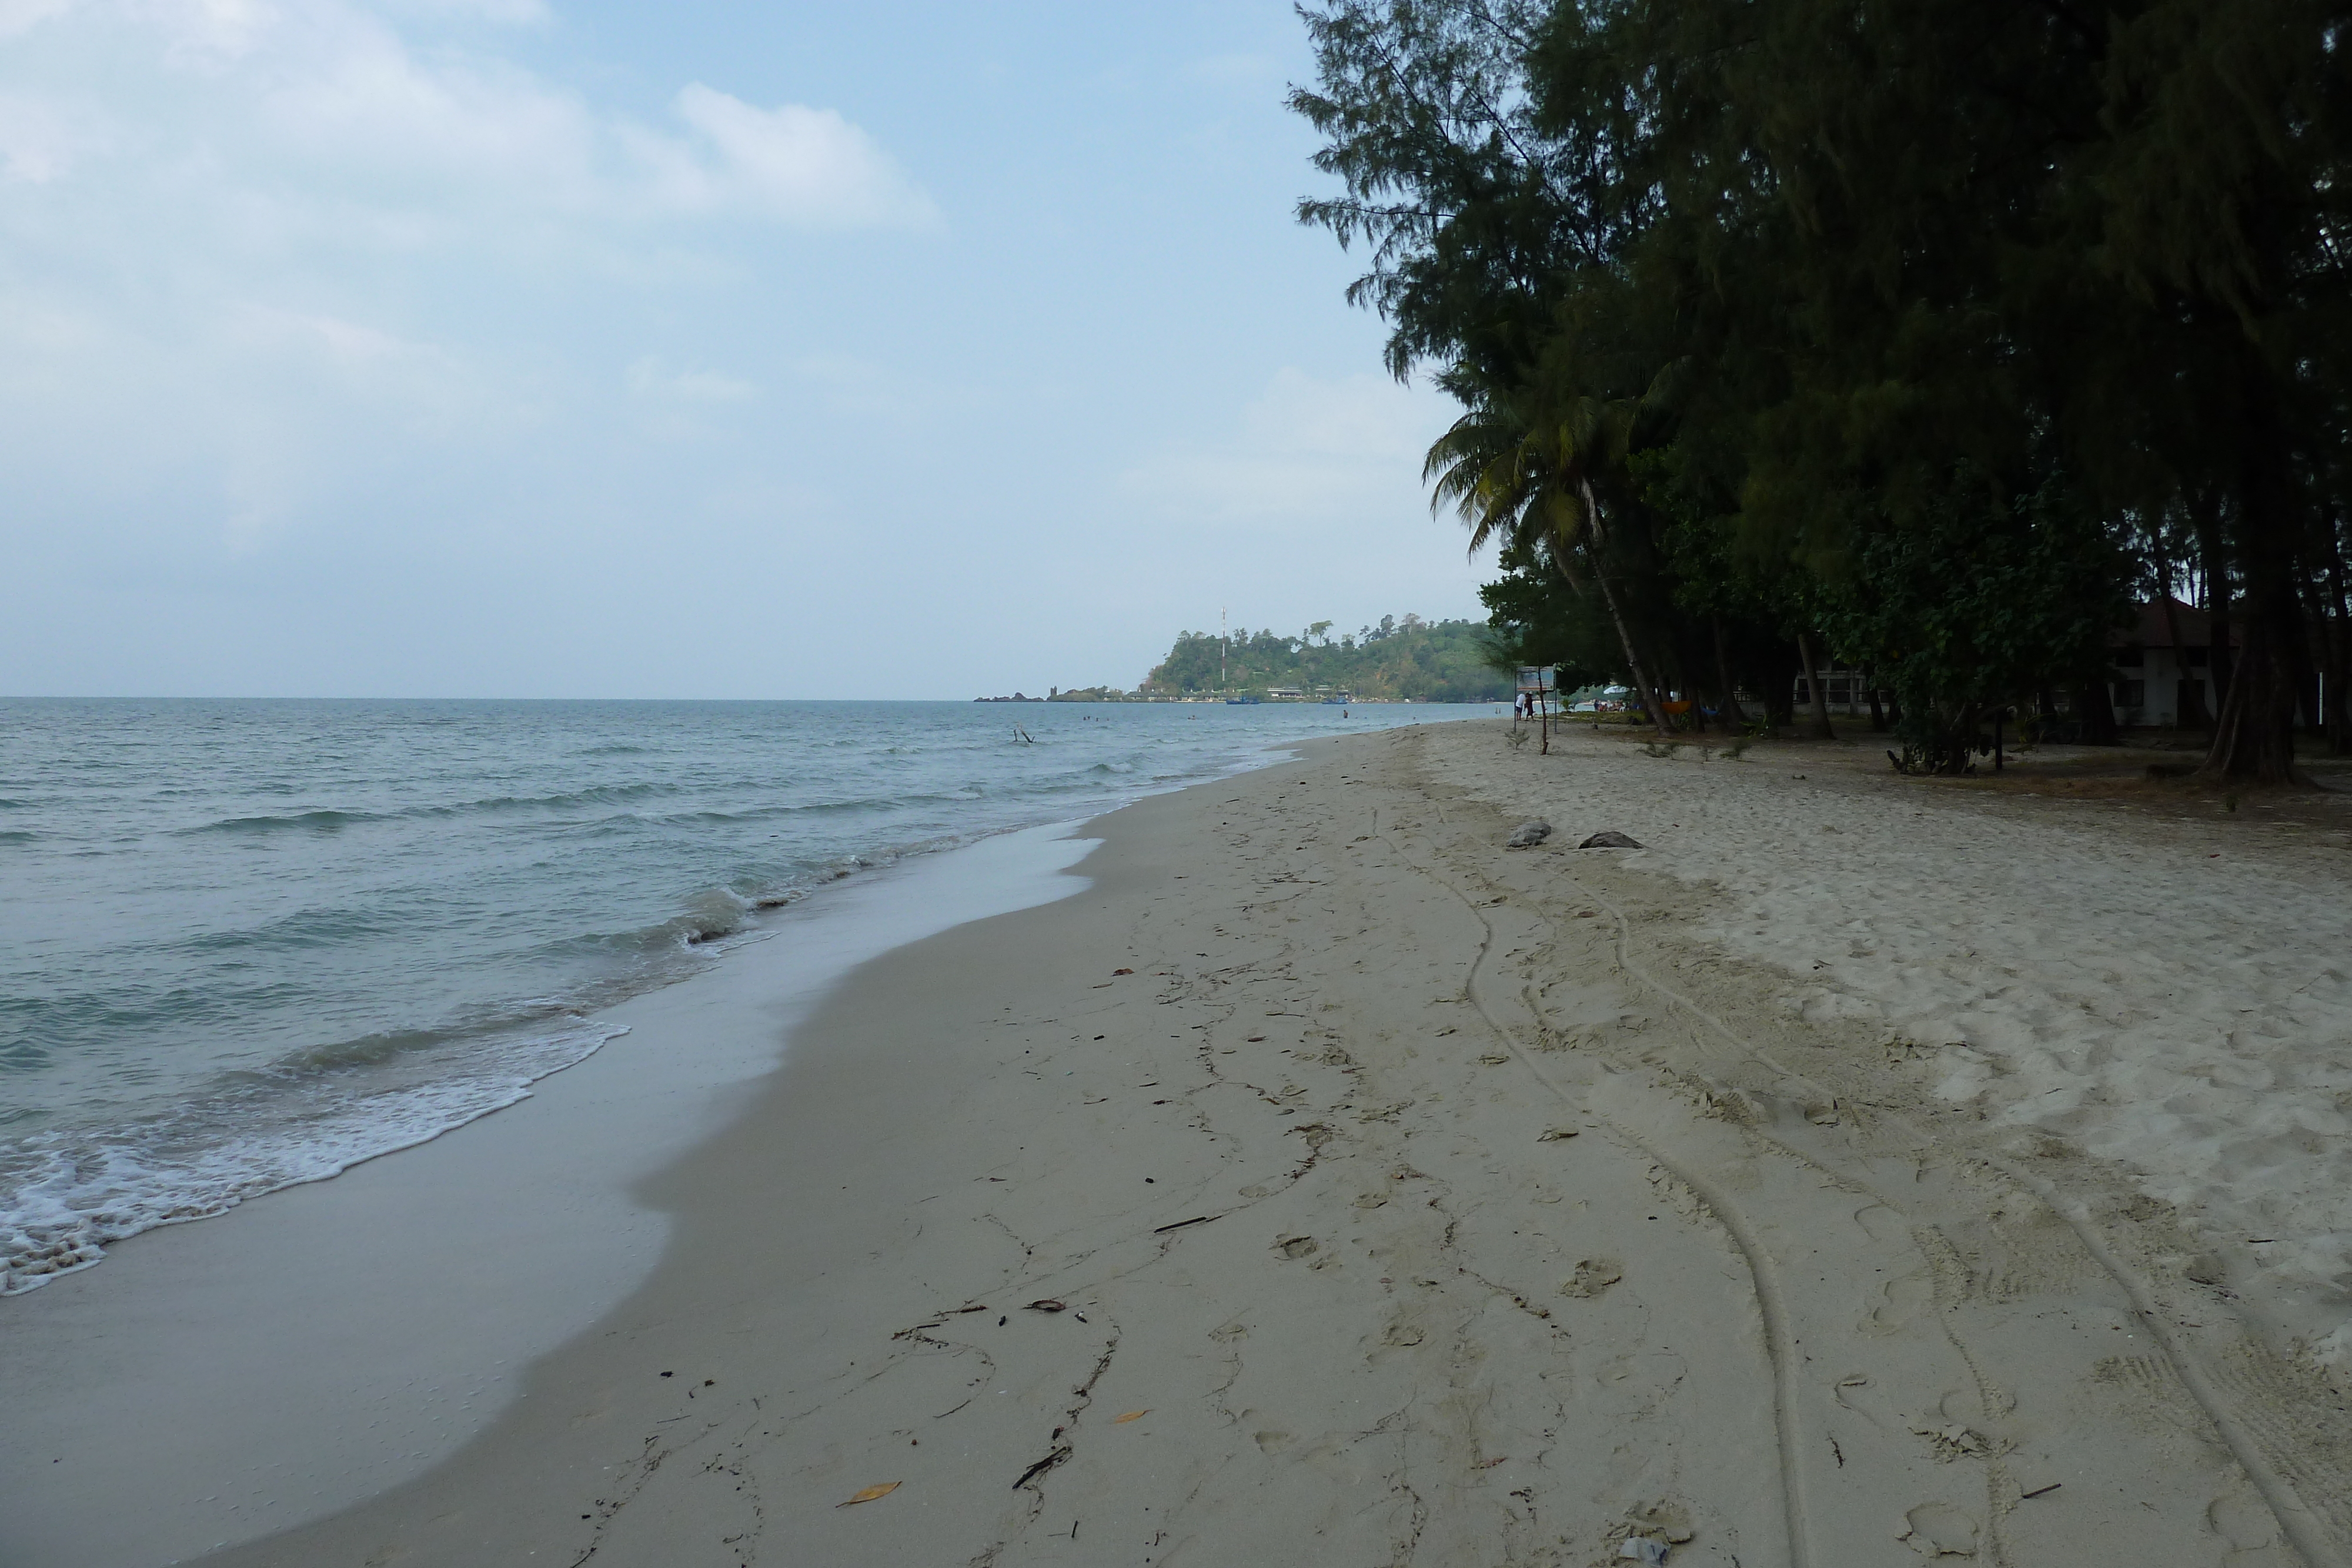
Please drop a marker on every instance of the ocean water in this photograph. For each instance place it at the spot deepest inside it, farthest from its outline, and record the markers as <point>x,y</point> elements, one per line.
<point>245,944</point>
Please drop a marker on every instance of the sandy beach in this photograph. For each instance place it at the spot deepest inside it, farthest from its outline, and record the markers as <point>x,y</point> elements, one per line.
<point>1863,1168</point>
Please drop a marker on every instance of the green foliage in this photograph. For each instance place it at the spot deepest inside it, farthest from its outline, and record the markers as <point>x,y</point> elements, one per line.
<point>1539,619</point>
<point>1768,315</point>
<point>1976,602</point>
<point>1441,661</point>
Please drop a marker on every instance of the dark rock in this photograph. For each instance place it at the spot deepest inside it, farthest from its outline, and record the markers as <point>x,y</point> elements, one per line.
<point>1609,840</point>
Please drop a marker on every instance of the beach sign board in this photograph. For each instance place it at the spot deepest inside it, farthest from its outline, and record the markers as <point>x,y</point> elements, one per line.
<point>1536,677</point>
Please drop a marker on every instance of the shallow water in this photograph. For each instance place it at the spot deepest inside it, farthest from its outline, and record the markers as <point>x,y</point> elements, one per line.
<point>247,944</point>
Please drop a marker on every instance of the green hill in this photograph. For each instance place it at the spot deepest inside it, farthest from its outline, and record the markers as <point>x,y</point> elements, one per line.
<point>1426,661</point>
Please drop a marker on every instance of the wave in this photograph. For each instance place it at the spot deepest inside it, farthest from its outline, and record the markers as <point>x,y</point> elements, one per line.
<point>18,836</point>
<point>485,871</point>
<point>72,1195</point>
<point>311,821</point>
<point>834,807</point>
<point>303,928</point>
<point>329,819</point>
<point>317,1112</point>
<point>595,795</point>
<point>365,1050</point>
<point>717,912</point>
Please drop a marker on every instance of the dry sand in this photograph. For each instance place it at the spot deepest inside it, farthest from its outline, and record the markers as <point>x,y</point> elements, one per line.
<point>1328,1185</point>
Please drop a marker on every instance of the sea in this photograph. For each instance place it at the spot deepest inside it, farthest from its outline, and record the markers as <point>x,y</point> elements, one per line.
<point>249,943</point>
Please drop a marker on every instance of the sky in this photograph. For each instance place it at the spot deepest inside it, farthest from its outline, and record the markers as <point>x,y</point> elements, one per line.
<point>542,347</point>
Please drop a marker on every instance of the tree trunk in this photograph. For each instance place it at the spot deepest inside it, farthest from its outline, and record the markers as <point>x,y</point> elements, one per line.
<point>1732,714</point>
<point>2097,706</point>
<point>2254,742</point>
<point>2179,651</point>
<point>1821,729</point>
<point>2163,564</point>
<point>1877,714</point>
<point>2220,660</point>
<point>2337,698</point>
<point>1642,687</point>
<point>2311,649</point>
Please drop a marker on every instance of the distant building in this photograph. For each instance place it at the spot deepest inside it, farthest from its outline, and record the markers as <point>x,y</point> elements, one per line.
<point>2163,667</point>
<point>1844,691</point>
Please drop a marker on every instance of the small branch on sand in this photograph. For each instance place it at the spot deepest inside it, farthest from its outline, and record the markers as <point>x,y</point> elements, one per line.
<point>1042,1466</point>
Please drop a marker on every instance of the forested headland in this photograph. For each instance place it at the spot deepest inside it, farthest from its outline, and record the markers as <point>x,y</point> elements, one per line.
<point>1423,661</point>
<point>1921,338</point>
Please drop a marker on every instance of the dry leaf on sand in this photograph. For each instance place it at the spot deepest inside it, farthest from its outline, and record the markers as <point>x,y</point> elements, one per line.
<point>870,1494</point>
<point>1130,1415</point>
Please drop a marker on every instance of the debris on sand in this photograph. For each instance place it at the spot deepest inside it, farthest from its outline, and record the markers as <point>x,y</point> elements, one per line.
<point>1610,839</point>
<point>1592,1275</point>
<point>1528,835</point>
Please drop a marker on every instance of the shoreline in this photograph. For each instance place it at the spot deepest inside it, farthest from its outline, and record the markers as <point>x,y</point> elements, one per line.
<point>428,1274</point>
<point>357,1049</point>
<point>1412,1199</point>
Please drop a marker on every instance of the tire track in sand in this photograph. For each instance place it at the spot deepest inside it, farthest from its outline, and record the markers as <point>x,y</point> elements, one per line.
<point>1763,1281</point>
<point>2295,1518</point>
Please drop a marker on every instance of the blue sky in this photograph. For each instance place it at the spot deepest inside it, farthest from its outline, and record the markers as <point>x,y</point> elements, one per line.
<point>543,348</point>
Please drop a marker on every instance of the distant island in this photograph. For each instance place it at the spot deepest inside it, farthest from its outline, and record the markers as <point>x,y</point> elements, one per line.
<point>1403,659</point>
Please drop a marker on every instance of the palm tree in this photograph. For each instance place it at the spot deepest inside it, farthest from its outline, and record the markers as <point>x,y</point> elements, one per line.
<point>1511,467</point>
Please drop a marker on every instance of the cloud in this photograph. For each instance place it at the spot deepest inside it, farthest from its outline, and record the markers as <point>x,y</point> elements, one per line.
<point>216,33</point>
<point>342,108</point>
<point>511,13</point>
<point>1235,69</point>
<point>649,378</point>
<point>23,15</point>
<point>1305,448</point>
<point>357,104</point>
<point>803,165</point>
<point>40,139</point>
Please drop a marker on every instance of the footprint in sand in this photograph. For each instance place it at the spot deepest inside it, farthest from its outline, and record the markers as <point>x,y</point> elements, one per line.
<point>1940,1529</point>
<point>1401,1334</point>
<point>1967,1406</point>
<point>2248,1525</point>
<point>1592,1275</point>
<point>1899,1302</point>
<point>1296,1246</point>
<point>1856,1393</point>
